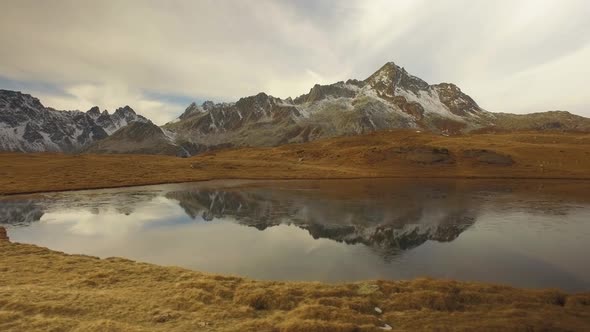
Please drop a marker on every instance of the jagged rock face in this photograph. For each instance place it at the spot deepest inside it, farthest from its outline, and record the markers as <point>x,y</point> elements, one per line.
<point>390,79</point>
<point>28,126</point>
<point>255,120</point>
<point>319,92</point>
<point>456,101</point>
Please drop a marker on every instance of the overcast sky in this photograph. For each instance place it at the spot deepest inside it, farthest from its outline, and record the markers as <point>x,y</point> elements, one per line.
<point>157,56</point>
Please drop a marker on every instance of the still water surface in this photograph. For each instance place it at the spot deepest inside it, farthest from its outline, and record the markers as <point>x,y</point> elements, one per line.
<point>527,234</point>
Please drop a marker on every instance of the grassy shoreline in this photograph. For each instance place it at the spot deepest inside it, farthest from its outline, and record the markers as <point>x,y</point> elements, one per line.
<point>45,290</point>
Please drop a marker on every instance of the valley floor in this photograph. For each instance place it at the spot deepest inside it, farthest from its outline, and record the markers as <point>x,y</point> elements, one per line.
<point>44,290</point>
<point>382,154</point>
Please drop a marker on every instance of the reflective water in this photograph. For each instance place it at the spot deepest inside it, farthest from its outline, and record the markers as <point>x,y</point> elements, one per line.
<point>528,234</point>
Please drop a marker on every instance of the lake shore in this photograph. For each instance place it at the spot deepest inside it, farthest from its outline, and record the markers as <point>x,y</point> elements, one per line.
<point>397,154</point>
<point>48,290</point>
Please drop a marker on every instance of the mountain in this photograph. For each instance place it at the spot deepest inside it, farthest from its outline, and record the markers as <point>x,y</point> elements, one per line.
<point>390,98</point>
<point>140,138</point>
<point>28,126</point>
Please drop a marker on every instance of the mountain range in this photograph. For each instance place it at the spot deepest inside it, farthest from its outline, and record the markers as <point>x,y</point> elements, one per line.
<point>26,125</point>
<point>391,98</point>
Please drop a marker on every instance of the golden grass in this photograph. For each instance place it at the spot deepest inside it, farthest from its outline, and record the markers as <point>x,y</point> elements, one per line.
<point>536,155</point>
<point>44,290</point>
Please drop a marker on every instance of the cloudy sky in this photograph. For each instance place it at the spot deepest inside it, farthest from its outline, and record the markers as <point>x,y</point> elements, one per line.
<point>157,56</point>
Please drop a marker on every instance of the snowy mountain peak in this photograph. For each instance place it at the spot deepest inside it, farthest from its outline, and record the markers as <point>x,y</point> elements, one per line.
<point>94,112</point>
<point>391,77</point>
<point>207,105</point>
<point>125,111</point>
<point>192,109</point>
<point>26,125</point>
<point>389,98</point>
<point>15,99</point>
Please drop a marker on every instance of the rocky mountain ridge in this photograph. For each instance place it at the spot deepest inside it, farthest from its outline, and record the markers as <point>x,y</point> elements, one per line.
<point>390,98</point>
<point>28,126</point>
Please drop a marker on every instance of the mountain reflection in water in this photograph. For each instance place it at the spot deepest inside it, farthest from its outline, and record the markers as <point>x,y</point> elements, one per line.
<point>394,220</point>
<point>401,220</point>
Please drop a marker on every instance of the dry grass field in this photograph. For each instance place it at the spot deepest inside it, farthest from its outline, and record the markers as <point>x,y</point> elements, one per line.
<point>44,290</point>
<point>382,154</point>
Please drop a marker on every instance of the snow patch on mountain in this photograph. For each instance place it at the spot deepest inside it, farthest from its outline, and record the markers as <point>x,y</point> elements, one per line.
<point>430,101</point>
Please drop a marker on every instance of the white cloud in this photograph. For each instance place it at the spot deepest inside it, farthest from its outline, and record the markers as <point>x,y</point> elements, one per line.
<point>111,53</point>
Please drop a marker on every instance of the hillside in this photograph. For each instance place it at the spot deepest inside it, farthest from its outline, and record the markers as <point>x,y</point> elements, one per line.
<point>381,154</point>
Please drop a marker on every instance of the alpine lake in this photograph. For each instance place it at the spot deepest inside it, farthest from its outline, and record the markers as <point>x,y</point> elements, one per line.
<point>524,233</point>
